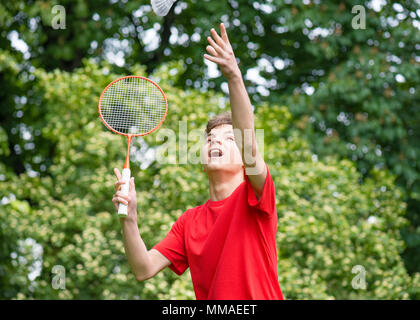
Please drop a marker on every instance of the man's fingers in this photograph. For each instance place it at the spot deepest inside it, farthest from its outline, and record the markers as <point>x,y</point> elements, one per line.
<point>132,186</point>
<point>211,50</point>
<point>213,59</point>
<point>118,184</point>
<point>117,173</point>
<point>121,195</point>
<point>216,37</point>
<point>116,199</point>
<point>224,33</point>
<point>215,46</point>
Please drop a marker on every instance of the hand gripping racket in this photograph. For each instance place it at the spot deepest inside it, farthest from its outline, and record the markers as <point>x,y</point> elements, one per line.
<point>132,106</point>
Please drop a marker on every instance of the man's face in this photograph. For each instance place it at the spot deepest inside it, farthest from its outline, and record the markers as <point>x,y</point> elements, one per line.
<point>220,151</point>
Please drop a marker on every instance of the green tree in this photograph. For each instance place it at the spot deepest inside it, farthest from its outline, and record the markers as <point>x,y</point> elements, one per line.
<point>352,91</point>
<point>363,107</point>
<point>329,221</point>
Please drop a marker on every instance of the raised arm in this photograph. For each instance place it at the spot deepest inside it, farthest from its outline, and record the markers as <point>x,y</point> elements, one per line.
<point>221,52</point>
<point>144,264</point>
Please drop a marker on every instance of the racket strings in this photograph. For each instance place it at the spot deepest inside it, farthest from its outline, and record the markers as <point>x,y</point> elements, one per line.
<point>133,106</point>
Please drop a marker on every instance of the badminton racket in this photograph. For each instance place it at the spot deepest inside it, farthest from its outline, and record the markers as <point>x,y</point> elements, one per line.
<point>132,106</point>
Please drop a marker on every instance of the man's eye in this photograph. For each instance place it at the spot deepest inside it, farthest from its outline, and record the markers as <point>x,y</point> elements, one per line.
<point>231,138</point>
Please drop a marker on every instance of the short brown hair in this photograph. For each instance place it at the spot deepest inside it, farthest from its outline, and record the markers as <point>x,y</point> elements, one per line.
<point>218,120</point>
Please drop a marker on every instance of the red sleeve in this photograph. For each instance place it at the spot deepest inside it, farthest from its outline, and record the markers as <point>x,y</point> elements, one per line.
<point>266,205</point>
<point>173,247</point>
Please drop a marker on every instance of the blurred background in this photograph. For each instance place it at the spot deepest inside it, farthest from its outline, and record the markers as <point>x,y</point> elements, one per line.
<point>339,106</point>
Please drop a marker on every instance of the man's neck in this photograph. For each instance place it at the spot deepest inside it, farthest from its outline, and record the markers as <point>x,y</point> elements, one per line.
<point>222,184</point>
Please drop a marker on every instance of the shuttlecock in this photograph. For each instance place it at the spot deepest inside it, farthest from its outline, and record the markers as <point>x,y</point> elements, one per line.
<point>162,7</point>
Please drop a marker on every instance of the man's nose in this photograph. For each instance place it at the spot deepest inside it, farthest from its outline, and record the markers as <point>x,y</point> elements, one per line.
<point>216,140</point>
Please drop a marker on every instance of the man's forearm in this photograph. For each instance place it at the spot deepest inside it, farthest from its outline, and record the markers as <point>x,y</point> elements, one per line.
<point>242,114</point>
<point>135,250</point>
<point>243,119</point>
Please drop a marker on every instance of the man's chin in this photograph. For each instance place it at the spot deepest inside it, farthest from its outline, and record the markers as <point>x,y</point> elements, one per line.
<point>219,165</point>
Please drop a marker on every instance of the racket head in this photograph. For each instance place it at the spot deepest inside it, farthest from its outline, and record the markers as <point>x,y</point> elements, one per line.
<point>132,106</point>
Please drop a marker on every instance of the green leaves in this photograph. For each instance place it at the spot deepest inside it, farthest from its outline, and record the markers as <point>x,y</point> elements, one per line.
<point>56,178</point>
<point>329,222</point>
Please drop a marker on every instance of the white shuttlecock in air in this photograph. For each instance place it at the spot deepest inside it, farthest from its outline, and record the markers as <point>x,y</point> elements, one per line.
<point>162,7</point>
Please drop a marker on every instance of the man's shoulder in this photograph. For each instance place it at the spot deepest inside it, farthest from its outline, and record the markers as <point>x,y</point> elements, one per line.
<point>192,211</point>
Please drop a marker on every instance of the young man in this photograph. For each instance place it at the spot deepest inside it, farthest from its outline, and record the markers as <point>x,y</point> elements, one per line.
<point>229,243</point>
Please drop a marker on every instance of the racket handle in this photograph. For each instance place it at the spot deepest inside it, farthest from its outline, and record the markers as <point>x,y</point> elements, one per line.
<point>122,209</point>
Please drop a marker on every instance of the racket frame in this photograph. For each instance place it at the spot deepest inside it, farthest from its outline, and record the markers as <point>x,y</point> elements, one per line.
<point>132,134</point>
<point>122,211</point>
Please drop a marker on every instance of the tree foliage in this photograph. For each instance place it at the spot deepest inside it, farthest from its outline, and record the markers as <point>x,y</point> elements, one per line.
<point>60,213</point>
<point>353,92</point>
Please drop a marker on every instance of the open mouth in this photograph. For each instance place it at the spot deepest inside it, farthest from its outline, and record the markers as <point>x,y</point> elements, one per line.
<point>215,153</point>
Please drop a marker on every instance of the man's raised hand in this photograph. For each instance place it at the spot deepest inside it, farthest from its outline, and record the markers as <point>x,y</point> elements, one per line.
<point>221,52</point>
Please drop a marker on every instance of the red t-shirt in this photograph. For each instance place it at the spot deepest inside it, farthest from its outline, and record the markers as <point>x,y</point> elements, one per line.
<point>229,245</point>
